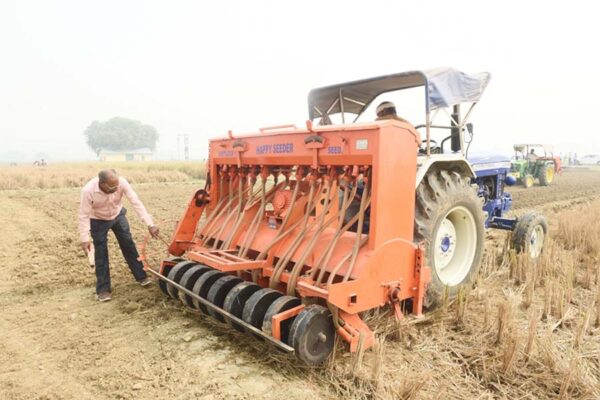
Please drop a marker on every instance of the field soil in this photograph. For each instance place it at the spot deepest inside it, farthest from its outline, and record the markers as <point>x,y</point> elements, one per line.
<point>58,342</point>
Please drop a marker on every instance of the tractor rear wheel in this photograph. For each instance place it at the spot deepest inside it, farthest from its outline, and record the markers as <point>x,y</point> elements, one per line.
<point>546,174</point>
<point>449,219</point>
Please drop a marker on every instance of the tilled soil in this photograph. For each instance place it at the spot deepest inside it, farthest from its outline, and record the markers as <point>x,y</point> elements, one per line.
<point>576,183</point>
<point>58,342</point>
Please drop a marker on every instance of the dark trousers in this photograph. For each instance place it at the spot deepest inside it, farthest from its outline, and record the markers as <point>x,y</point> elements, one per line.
<point>99,231</point>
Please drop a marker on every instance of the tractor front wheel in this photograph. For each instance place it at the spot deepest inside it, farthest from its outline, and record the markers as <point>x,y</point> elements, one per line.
<point>448,218</point>
<point>528,181</point>
<point>529,234</point>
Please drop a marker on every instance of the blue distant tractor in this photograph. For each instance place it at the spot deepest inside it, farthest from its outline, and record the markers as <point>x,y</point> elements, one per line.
<point>491,177</point>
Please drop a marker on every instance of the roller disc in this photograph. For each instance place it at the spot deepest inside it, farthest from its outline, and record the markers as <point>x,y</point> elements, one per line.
<point>203,285</point>
<point>165,272</point>
<point>162,284</point>
<point>257,305</point>
<point>312,335</point>
<point>188,280</point>
<point>236,300</point>
<point>280,305</point>
<point>175,275</point>
<point>218,292</point>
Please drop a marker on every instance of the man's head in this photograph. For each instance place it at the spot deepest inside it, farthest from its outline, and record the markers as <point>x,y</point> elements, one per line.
<point>108,180</point>
<point>385,110</point>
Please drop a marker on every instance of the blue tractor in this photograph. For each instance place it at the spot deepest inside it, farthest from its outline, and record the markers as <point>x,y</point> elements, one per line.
<point>492,177</point>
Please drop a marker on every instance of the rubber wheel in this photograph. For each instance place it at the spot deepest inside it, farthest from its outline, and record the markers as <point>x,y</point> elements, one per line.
<point>529,234</point>
<point>188,280</point>
<point>280,305</point>
<point>312,335</point>
<point>218,292</point>
<point>528,181</point>
<point>236,300</point>
<point>546,174</point>
<point>165,272</point>
<point>257,305</point>
<point>175,275</point>
<point>449,219</point>
<point>202,287</point>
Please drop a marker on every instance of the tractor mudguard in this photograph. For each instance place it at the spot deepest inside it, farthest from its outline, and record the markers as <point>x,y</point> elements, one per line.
<point>445,162</point>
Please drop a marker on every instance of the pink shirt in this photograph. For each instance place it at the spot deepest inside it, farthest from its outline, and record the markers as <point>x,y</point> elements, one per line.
<point>98,205</point>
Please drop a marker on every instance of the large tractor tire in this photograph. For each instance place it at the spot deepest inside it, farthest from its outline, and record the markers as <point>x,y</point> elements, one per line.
<point>529,234</point>
<point>449,219</point>
<point>546,174</point>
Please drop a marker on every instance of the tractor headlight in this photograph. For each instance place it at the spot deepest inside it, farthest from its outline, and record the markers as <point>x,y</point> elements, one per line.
<point>510,180</point>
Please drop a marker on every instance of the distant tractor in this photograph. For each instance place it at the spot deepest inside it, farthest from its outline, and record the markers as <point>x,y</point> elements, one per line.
<point>528,164</point>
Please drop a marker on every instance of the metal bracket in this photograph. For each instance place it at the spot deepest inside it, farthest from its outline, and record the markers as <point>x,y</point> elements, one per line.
<point>225,260</point>
<point>239,146</point>
<point>423,275</point>
<point>315,143</point>
<point>282,316</point>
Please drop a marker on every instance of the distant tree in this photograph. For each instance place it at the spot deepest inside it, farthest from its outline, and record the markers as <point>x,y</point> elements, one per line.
<point>120,134</point>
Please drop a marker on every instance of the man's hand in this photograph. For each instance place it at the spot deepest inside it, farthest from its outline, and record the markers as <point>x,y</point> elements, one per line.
<point>154,231</point>
<point>86,246</point>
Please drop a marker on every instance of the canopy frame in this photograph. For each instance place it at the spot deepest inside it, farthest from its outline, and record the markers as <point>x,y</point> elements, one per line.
<point>444,87</point>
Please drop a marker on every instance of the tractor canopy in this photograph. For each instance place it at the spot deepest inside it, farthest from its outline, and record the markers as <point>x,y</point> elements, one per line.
<point>548,148</point>
<point>444,87</point>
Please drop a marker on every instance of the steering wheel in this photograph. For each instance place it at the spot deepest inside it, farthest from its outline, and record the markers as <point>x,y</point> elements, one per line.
<point>434,148</point>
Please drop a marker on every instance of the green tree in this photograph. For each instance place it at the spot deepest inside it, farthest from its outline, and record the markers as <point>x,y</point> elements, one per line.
<point>120,134</point>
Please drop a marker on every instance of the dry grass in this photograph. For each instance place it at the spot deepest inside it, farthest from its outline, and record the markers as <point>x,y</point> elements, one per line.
<point>62,175</point>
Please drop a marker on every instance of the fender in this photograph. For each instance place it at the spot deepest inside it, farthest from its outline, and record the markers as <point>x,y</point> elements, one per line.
<point>446,161</point>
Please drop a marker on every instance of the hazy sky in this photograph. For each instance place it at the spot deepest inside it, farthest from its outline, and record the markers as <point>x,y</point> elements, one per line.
<point>205,67</point>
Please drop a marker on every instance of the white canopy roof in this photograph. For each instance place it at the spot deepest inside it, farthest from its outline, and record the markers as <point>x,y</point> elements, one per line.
<point>444,87</point>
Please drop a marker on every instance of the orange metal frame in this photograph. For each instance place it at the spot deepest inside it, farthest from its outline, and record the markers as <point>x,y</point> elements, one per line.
<point>356,272</point>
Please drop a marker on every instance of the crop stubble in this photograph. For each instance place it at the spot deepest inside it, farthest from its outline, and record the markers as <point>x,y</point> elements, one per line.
<point>527,331</point>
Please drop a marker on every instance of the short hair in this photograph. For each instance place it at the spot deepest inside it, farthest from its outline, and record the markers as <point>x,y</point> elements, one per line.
<point>106,173</point>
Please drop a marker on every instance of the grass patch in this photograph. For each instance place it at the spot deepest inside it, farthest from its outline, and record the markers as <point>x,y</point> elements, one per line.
<point>61,175</point>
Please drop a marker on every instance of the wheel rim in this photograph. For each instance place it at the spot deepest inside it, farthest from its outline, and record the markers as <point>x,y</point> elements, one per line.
<point>549,175</point>
<point>536,241</point>
<point>455,246</point>
<point>312,335</point>
<point>529,181</point>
